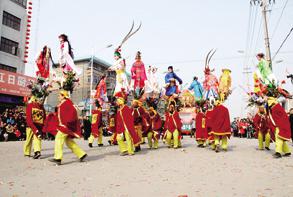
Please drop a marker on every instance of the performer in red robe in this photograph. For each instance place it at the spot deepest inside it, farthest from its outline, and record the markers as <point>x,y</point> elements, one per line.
<point>97,126</point>
<point>280,121</point>
<point>261,126</point>
<point>153,133</point>
<point>138,74</point>
<point>35,117</point>
<point>210,138</point>
<point>125,127</point>
<point>140,120</point>
<point>51,123</point>
<point>220,125</point>
<point>101,91</point>
<point>173,126</point>
<point>201,132</point>
<point>67,129</point>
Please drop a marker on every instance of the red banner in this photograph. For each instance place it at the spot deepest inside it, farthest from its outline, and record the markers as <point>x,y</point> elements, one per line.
<point>14,83</point>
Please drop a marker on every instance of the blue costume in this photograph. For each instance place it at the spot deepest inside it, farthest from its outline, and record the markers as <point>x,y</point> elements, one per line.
<point>171,89</point>
<point>197,88</point>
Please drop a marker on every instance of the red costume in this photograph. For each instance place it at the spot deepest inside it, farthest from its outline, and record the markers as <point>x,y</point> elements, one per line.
<point>138,74</point>
<point>124,121</point>
<point>208,124</point>
<point>280,119</point>
<point>173,122</point>
<point>68,119</point>
<point>201,127</point>
<point>35,116</point>
<point>51,124</point>
<point>155,125</point>
<point>43,64</point>
<point>220,121</point>
<point>261,123</point>
<point>96,122</point>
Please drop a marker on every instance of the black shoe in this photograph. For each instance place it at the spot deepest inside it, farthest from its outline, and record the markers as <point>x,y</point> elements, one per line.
<point>27,156</point>
<point>277,155</point>
<point>56,161</point>
<point>37,155</point>
<point>91,145</point>
<point>199,145</point>
<point>267,148</point>
<point>109,141</point>
<point>83,157</point>
<point>137,149</point>
<point>287,155</point>
<point>100,145</point>
<point>217,149</point>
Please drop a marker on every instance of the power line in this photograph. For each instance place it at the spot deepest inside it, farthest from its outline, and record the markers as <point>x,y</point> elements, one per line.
<point>283,43</point>
<point>278,22</point>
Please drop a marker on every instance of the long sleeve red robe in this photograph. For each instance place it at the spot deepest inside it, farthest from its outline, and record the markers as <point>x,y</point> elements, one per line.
<point>68,119</point>
<point>280,119</point>
<point>261,123</point>
<point>35,116</point>
<point>173,122</point>
<point>138,74</point>
<point>220,121</point>
<point>125,121</point>
<point>201,132</point>
<point>51,123</point>
<point>96,122</point>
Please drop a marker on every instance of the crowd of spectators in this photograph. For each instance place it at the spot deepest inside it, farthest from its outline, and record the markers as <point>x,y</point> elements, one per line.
<point>243,128</point>
<point>13,124</point>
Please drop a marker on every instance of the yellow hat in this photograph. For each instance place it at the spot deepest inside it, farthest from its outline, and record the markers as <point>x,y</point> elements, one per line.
<point>272,101</point>
<point>64,93</point>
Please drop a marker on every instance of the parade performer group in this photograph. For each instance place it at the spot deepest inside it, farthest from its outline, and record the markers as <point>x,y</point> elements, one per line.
<point>131,124</point>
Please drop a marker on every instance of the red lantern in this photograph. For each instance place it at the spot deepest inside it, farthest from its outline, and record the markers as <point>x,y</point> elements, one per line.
<point>27,42</point>
<point>29,21</point>
<point>28,30</point>
<point>25,56</point>
<point>28,34</point>
<point>27,38</point>
<point>26,47</point>
<point>30,3</point>
<point>30,7</point>
<point>28,25</point>
<point>29,12</point>
<point>25,61</point>
<point>25,52</point>
<point>29,16</point>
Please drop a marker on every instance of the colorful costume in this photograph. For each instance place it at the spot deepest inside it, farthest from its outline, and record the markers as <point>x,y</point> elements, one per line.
<point>51,124</point>
<point>220,126</point>
<point>154,131</point>
<point>121,77</point>
<point>96,128</point>
<point>172,128</point>
<point>151,84</point>
<point>280,122</point>
<point>44,63</point>
<point>138,74</point>
<point>35,117</point>
<point>68,128</point>
<point>261,126</point>
<point>170,82</point>
<point>225,84</point>
<point>265,72</point>
<point>201,133</point>
<point>197,89</point>
<point>101,91</point>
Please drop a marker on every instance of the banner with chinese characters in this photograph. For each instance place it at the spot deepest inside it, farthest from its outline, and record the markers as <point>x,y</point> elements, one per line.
<point>14,83</point>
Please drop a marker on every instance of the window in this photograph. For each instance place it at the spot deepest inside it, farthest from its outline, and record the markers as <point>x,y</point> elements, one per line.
<point>7,68</point>
<point>8,46</point>
<point>11,21</point>
<point>20,2</point>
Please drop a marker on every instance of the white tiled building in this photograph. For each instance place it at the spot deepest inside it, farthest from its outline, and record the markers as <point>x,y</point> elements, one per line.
<point>13,24</point>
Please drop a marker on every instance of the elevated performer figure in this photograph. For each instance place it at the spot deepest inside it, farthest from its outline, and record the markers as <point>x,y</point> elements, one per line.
<point>138,74</point>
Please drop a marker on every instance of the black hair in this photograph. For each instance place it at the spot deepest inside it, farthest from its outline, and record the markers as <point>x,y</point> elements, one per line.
<point>65,39</point>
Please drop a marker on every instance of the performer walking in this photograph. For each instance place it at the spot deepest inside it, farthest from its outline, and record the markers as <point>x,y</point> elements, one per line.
<point>173,126</point>
<point>125,127</point>
<point>220,126</point>
<point>281,125</point>
<point>261,125</point>
<point>155,126</point>
<point>97,126</point>
<point>201,134</point>
<point>67,129</point>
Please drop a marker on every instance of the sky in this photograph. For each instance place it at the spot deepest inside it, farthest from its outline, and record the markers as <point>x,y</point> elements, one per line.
<point>174,33</point>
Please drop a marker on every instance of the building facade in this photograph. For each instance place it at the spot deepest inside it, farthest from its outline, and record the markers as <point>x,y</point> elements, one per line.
<point>81,93</point>
<point>13,24</point>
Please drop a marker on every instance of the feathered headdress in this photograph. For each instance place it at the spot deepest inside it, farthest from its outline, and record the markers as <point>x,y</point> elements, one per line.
<point>39,88</point>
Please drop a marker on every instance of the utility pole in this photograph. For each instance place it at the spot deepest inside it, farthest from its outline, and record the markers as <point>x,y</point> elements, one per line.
<point>264,4</point>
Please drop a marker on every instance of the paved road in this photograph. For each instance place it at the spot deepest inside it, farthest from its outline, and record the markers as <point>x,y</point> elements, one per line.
<point>192,171</point>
